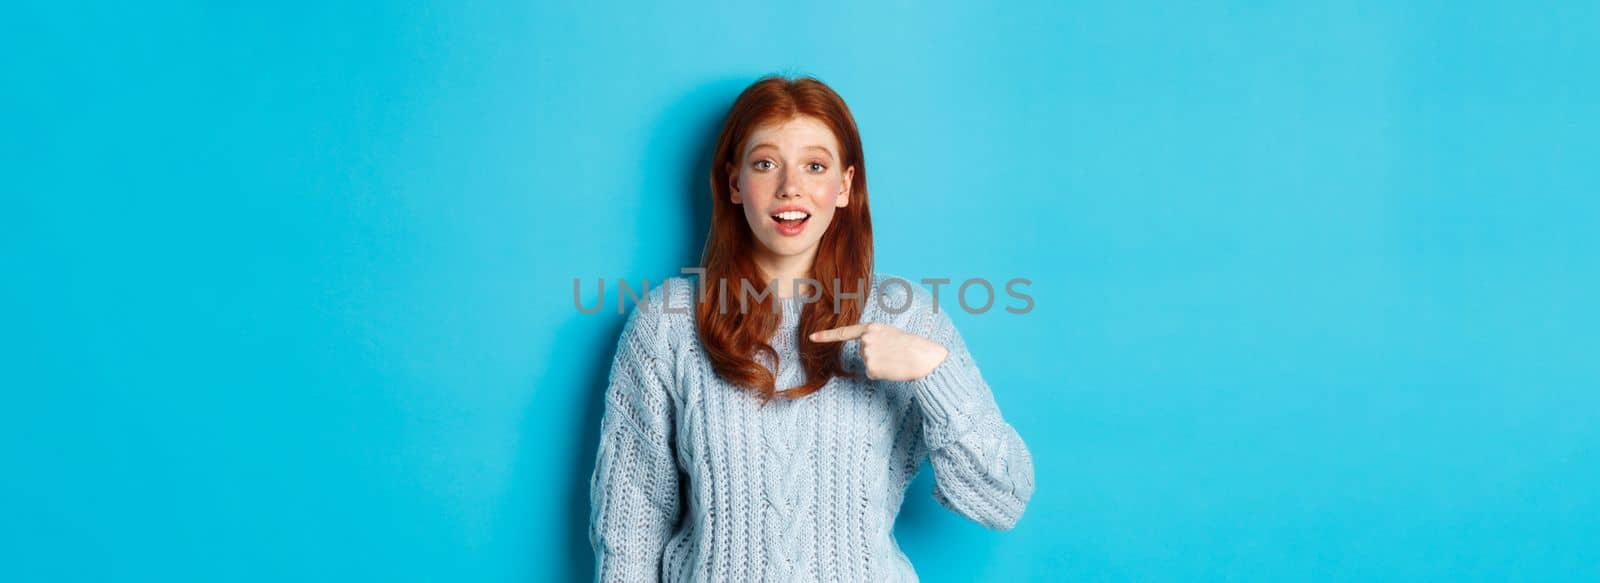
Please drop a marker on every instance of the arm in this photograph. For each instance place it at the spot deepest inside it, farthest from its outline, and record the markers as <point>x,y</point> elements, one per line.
<point>981,467</point>
<point>634,500</point>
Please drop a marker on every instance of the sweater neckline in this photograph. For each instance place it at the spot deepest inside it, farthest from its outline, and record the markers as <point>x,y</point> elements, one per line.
<point>792,306</point>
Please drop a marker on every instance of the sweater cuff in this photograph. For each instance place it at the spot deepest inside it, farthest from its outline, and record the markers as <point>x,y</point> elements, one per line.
<point>950,397</point>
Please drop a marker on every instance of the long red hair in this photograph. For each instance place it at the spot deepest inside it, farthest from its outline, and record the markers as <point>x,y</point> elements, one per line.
<point>733,337</point>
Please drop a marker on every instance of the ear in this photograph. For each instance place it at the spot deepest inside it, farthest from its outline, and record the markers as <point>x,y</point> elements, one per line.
<point>733,184</point>
<point>844,195</point>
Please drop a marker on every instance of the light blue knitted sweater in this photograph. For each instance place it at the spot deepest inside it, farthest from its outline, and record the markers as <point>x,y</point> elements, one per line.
<point>695,481</point>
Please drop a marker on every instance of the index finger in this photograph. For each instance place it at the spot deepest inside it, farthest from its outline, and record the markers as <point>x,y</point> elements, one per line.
<point>850,332</point>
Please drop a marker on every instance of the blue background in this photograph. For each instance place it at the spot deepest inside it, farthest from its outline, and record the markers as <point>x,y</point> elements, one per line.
<point>288,288</point>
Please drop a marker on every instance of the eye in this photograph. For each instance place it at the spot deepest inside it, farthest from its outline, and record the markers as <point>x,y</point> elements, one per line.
<point>763,164</point>
<point>816,167</point>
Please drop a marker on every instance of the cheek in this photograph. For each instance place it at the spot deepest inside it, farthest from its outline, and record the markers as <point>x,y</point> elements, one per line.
<point>824,204</point>
<point>752,215</point>
<point>753,185</point>
<point>759,181</point>
<point>825,197</point>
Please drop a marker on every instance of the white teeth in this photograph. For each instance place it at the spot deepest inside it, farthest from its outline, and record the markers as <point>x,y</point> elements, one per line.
<point>791,215</point>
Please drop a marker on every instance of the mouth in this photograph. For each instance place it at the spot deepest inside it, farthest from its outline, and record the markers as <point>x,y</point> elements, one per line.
<point>791,222</point>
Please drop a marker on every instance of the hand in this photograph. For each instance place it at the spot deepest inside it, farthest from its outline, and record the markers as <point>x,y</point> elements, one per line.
<point>889,353</point>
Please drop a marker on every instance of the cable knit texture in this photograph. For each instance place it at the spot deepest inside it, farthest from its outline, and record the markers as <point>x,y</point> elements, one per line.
<point>696,481</point>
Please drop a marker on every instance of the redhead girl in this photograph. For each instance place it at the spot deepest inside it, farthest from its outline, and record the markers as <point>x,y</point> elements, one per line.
<point>763,423</point>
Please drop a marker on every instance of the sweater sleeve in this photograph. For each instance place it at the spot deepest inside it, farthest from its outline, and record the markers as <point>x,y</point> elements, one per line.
<point>634,503</point>
<point>982,469</point>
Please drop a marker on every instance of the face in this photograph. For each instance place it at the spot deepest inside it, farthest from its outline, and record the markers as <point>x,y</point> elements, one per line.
<point>789,181</point>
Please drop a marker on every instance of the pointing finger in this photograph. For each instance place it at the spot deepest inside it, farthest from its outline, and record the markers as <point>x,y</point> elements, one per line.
<point>851,332</point>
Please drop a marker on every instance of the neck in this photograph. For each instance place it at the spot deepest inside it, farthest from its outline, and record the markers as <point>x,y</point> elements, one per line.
<point>785,269</point>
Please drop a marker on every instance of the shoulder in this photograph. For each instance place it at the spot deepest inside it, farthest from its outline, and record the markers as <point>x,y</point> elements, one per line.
<point>664,313</point>
<point>673,296</point>
<point>905,303</point>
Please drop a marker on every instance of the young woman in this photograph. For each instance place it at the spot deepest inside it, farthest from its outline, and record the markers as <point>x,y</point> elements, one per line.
<point>706,471</point>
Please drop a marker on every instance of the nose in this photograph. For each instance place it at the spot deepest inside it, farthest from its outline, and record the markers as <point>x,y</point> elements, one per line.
<point>790,188</point>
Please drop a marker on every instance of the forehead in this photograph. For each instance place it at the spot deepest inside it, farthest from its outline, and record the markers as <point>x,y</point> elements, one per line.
<point>793,134</point>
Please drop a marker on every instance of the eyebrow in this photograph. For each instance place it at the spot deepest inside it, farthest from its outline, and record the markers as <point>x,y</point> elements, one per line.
<point>767,145</point>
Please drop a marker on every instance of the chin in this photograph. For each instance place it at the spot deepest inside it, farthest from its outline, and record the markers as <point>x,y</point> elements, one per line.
<point>787,251</point>
<point>790,248</point>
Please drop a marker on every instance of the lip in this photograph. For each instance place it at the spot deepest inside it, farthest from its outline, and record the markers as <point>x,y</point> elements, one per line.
<point>789,207</point>
<point>787,230</point>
